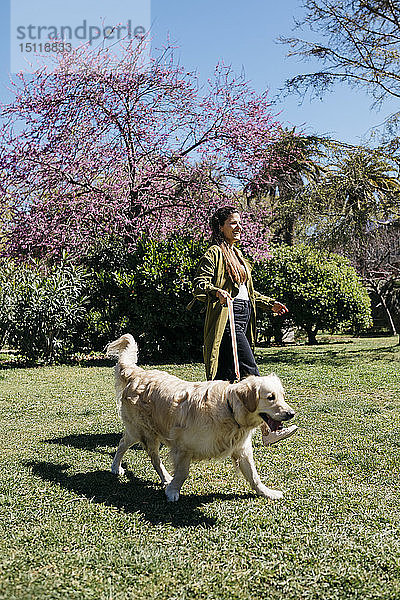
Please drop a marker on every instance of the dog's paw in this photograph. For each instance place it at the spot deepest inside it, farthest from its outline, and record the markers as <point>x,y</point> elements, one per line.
<point>268,493</point>
<point>172,495</point>
<point>275,495</point>
<point>117,470</point>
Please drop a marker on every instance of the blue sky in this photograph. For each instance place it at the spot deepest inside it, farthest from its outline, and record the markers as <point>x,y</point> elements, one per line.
<point>242,34</point>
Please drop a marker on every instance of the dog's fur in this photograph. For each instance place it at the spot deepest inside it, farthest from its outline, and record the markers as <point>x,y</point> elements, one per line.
<point>197,420</point>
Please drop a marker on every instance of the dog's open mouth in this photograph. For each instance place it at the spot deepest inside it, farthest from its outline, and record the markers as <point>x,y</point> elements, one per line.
<point>272,424</point>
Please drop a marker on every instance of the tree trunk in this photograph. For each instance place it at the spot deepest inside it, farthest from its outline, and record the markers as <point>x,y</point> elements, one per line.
<point>375,287</point>
<point>288,230</point>
<point>278,333</point>
<point>311,333</point>
<point>389,316</point>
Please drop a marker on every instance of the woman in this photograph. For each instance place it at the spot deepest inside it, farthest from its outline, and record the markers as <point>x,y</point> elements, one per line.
<point>224,273</point>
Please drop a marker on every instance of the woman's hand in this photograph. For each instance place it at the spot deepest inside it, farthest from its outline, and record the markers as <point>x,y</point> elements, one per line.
<point>279,309</point>
<point>223,296</point>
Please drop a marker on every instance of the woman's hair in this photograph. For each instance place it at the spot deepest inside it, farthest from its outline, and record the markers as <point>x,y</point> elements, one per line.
<point>233,262</point>
<point>217,221</point>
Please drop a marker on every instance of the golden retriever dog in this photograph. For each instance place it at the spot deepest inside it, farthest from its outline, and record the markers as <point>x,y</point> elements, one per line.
<point>198,420</point>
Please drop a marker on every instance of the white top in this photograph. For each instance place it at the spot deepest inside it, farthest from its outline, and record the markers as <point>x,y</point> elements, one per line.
<point>243,293</point>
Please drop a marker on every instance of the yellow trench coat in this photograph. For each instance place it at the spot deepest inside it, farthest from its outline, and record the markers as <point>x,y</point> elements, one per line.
<point>210,276</point>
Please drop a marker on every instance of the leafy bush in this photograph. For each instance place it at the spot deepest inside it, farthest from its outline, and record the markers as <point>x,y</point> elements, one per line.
<point>146,292</point>
<point>321,290</point>
<point>7,299</point>
<point>111,276</point>
<point>41,308</point>
<point>162,290</point>
<point>49,312</point>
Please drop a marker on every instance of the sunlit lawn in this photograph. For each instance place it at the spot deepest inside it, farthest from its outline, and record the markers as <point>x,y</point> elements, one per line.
<point>72,530</point>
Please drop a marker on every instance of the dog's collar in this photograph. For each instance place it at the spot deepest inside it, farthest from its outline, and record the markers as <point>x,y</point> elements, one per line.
<point>231,411</point>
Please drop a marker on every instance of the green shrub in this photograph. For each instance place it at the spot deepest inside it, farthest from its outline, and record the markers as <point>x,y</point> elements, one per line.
<point>49,312</point>
<point>7,299</point>
<point>145,292</point>
<point>109,288</point>
<point>42,308</point>
<point>162,289</point>
<point>321,290</point>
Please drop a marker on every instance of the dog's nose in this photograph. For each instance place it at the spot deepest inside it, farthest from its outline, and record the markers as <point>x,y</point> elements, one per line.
<point>289,415</point>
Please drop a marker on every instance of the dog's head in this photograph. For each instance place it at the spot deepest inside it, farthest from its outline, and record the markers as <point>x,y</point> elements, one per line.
<point>261,397</point>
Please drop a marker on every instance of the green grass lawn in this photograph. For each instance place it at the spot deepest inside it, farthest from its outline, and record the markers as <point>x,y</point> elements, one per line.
<point>72,530</point>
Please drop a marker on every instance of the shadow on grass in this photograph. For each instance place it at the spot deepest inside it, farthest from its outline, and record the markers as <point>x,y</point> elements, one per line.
<point>9,365</point>
<point>89,441</point>
<point>134,496</point>
<point>331,358</point>
<point>32,364</point>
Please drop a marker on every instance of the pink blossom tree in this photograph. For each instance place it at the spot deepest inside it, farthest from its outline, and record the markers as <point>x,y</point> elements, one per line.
<point>122,147</point>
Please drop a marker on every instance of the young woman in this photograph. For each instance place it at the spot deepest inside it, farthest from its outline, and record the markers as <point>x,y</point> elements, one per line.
<point>224,273</point>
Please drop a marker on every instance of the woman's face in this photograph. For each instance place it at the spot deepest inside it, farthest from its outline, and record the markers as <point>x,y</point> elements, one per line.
<point>232,228</point>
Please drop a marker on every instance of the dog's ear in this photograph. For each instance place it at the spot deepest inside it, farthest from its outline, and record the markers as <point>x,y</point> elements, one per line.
<point>249,395</point>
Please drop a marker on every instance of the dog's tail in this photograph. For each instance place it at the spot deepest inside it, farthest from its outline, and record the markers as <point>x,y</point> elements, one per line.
<point>127,351</point>
<point>125,348</point>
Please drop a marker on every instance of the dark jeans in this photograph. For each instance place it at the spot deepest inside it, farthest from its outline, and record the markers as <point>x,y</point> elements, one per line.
<point>247,363</point>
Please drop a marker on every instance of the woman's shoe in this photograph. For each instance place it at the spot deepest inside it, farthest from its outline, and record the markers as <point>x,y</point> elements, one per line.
<point>276,436</point>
